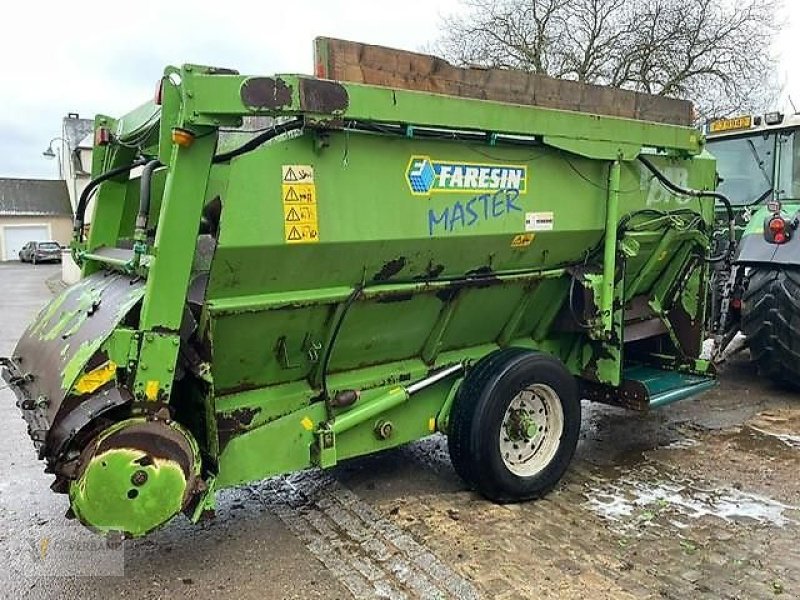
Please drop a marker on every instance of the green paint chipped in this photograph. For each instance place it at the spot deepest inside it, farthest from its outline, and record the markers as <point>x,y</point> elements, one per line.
<point>66,317</point>
<point>424,283</point>
<point>690,296</point>
<point>75,365</point>
<point>49,311</point>
<point>608,370</point>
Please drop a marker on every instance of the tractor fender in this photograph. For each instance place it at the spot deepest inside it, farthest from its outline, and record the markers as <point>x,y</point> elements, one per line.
<point>754,249</point>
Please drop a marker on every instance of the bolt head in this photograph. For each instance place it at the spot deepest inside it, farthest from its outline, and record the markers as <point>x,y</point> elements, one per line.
<point>384,429</point>
<point>139,478</point>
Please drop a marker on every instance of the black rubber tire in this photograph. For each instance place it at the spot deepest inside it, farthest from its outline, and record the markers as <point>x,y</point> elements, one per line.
<point>771,322</point>
<point>477,415</point>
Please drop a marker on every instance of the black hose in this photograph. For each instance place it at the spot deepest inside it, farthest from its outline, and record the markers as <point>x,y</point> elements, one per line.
<point>83,201</point>
<point>259,139</point>
<point>145,184</point>
<point>326,357</point>
<point>675,188</point>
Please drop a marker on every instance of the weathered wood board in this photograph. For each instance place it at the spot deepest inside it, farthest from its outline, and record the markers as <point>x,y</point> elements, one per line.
<point>341,60</point>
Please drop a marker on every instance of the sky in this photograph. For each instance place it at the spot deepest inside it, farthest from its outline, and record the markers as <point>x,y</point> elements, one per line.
<point>88,56</point>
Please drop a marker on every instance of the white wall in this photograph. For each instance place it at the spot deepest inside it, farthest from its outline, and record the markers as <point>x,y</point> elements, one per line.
<point>70,272</point>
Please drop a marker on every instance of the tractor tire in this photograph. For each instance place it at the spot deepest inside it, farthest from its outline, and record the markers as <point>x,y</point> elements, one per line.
<point>771,322</point>
<point>514,425</point>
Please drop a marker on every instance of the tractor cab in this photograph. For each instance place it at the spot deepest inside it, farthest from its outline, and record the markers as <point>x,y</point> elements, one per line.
<point>758,291</point>
<point>758,158</point>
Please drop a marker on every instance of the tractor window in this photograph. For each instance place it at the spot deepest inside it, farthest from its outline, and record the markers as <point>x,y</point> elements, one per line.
<point>789,167</point>
<point>745,166</point>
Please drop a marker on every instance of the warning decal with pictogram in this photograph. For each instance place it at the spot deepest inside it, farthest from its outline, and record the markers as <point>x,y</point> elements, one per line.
<point>299,199</point>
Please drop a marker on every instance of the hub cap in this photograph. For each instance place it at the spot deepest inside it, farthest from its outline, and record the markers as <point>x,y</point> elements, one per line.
<point>135,476</point>
<point>531,430</point>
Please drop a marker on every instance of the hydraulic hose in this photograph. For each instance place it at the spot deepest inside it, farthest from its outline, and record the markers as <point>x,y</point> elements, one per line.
<point>145,186</point>
<point>254,143</point>
<point>83,201</point>
<point>675,188</point>
<point>326,356</point>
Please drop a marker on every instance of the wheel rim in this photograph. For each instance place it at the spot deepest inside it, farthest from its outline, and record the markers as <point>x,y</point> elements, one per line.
<point>531,429</point>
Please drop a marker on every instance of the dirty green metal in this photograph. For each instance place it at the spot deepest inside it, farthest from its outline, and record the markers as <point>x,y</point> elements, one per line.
<point>388,237</point>
<point>610,247</point>
<point>666,388</point>
<point>151,487</point>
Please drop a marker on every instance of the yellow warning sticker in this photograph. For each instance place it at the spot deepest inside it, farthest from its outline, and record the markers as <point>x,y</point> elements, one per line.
<point>522,240</point>
<point>297,174</point>
<point>307,423</point>
<point>299,198</point>
<point>300,213</point>
<point>300,233</point>
<point>299,193</point>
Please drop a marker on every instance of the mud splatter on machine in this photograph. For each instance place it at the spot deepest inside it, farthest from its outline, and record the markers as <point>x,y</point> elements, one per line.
<point>372,266</point>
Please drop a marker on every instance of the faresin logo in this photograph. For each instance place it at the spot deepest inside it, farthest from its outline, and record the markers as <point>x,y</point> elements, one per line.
<point>428,176</point>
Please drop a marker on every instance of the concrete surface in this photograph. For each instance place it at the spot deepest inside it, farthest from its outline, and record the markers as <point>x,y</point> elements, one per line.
<point>698,500</point>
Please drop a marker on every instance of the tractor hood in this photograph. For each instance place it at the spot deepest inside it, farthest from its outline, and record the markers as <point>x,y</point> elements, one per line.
<point>57,347</point>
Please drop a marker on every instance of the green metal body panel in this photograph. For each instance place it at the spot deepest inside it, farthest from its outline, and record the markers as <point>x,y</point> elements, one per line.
<point>433,231</point>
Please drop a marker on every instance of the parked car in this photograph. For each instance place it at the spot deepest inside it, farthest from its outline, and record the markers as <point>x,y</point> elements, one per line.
<point>35,252</point>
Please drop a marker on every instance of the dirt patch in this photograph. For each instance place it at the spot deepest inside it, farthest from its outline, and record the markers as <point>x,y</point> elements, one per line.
<point>697,501</point>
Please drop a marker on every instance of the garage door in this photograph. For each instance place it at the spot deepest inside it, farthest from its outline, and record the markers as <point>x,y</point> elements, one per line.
<point>16,237</point>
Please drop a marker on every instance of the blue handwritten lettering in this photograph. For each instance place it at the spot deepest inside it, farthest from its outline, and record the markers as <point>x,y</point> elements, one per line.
<point>434,220</point>
<point>464,214</point>
<point>511,196</point>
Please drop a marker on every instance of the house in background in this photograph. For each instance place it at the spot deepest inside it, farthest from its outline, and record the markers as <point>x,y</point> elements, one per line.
<point>74,154</point>
<point>33,210</point>
<point>74,169</point>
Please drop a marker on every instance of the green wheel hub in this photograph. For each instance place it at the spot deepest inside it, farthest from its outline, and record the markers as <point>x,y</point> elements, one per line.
<point>520,425</point>
<point>135,476</point>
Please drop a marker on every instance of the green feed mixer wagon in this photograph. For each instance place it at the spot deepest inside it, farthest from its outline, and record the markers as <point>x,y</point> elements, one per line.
<point>374,265</point>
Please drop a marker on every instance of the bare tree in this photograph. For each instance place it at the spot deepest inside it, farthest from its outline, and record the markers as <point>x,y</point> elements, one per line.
<point>716,53</point>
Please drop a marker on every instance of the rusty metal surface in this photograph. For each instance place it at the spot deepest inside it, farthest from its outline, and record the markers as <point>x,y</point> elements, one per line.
<point>73,422</point>
<point>326,97</point>
<point>156,440</point>
<point>630,394</point>
<point>388,522</point>
<point>231,424</point>
<point>62,339</point>
<point>266,92</point>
